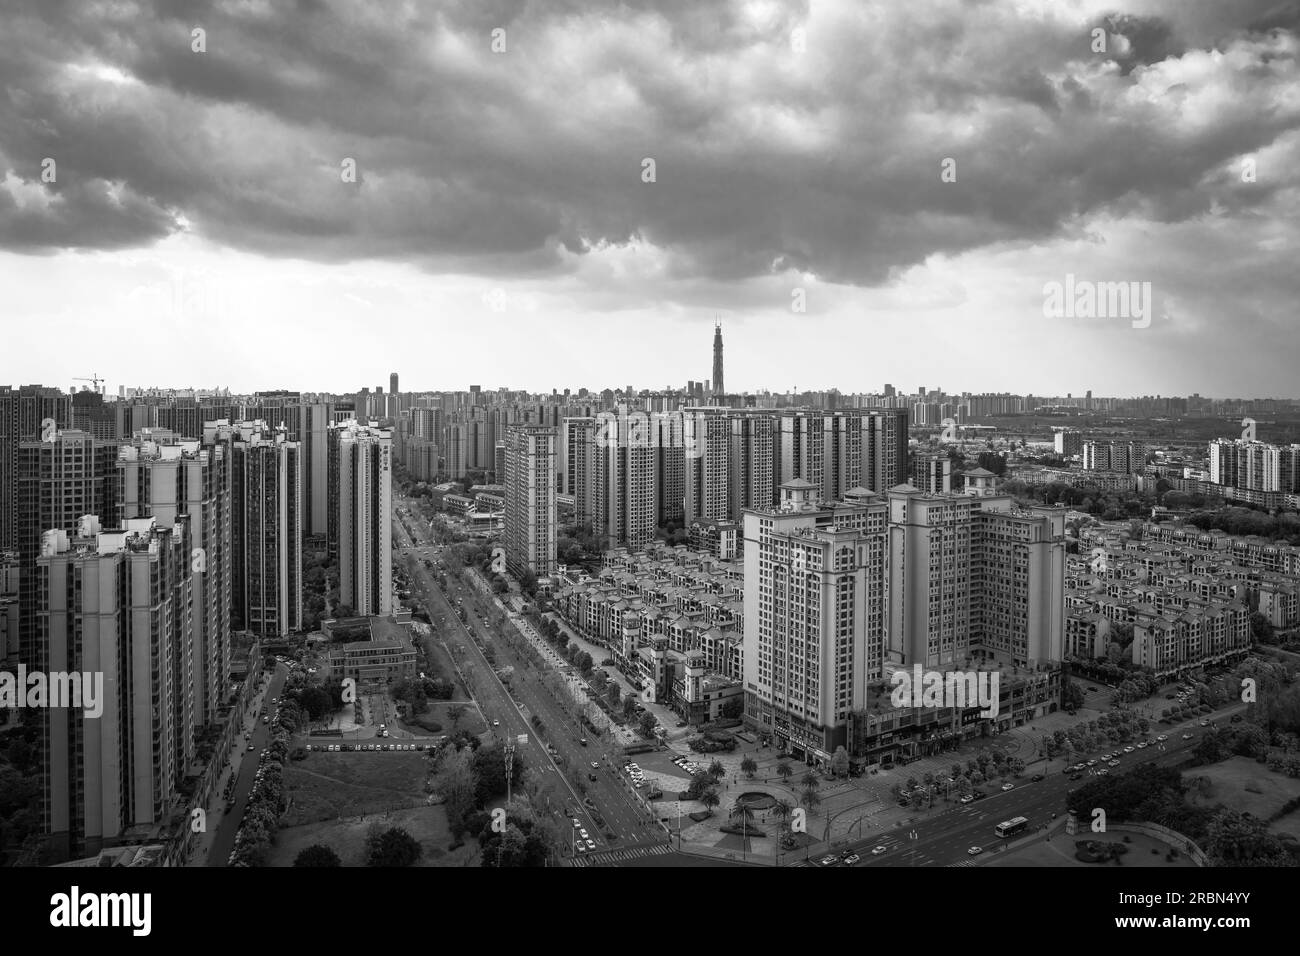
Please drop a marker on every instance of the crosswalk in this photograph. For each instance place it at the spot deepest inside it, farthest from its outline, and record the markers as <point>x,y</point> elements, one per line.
<point>614,857</point>
<point>970,862</point>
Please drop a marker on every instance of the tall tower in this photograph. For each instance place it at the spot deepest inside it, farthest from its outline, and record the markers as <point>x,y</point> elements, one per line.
<point>718,388</point>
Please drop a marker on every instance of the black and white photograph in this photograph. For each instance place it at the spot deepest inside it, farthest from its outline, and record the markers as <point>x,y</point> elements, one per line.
<point>735,435</point>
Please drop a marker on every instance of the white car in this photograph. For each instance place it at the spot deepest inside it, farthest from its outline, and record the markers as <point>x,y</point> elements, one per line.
<point>591,844</point>
<point>876,851</point>
<point>975,850</point>
<point>1142,746</point>
<point>581,832</point>
<point>1008,786</point>
<point>1162,738</point>
<point>1128,750</point>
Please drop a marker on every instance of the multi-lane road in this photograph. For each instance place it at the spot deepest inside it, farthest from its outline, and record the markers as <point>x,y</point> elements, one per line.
<point>620,814</point>
<point>946,839</point>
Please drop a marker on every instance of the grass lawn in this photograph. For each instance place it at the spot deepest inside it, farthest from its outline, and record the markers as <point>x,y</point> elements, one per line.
<point>327,785</point>
<point>1242,784</point>
<point>347,838</point>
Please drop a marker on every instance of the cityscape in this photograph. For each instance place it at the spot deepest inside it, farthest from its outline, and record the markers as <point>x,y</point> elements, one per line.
<point>474,437</point>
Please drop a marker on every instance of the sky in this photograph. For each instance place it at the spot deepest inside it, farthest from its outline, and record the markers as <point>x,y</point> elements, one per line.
<point>553,194</point>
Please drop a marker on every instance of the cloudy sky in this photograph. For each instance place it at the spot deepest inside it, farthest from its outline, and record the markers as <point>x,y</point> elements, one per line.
<point>564,193</point>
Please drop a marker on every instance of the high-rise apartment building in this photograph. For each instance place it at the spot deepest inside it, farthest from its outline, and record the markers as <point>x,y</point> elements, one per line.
<point>625,465</point>
<point>530,518</point>
<point>266,519</point>
<point>932,473</point>
<point>60,479</point>
<point>364,500</point>
<point>972,578</point>
<point>814,614</point>
<point>1126,457</point>
<point>1255,465</point>
<point>308,424</point>
<point>116,603</point>
<point>165,479</point>
<point>26,414</point>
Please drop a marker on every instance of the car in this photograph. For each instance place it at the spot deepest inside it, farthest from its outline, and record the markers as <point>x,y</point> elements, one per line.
<point>266,719</point>
<point>582,847</point>
<point>979,794</point>
<point>1162,738</point>
<point>583,741</point>
<point>1114,763</point>
<point>1143,745</point>
<point>1036,777</point>
<point>275,700</point>
<point>1236,718</point>
<point>1205,723</point>
<point>1128,750</point>
<point>968,798</point>
<point>828,861</point>
<point>248,735</point>
<point>577,824</point>
<point>975,850</point>
<point>1092,763</point>
<point>1188,736</point>
<point>852,859</point>
<point>591,844</point>
<point>496,723</point>
<point>1103,772</point>
<point>876,851</point>
<point>254,747</point>
<point>592,777</point>
<point>1005,787</point>
<point>1076,776</point>
<point>594,766</point>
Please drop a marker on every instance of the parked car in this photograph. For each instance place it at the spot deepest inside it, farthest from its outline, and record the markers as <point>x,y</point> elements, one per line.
<point>1008,786</point>
<point>828,861</point>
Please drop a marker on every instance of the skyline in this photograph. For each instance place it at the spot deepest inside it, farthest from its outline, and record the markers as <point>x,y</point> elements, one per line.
<point>913,179</point>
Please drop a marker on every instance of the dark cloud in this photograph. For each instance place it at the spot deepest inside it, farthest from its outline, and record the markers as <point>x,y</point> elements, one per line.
<point>768,158</point>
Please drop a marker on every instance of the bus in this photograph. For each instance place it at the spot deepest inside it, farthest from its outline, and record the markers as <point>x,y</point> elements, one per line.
<point>1011,827</point>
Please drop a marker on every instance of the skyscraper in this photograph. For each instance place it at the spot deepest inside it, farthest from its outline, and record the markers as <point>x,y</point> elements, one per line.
<point>164,479</point>
<point>364,499</point>
<point>814,614</point>
<point>392,382</point>
<point>116,603</point>
<point>266,517</point>
<point>22,414</point>
<point>530,519</point>
<point>718,388</point>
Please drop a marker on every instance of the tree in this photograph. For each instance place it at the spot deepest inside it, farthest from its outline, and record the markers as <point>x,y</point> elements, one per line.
<point>317,855</point>
<point>629,705</point>
<point>716,770</point>
<point>733,708</point>
<point>344,610</point>
<point>647,725</point>
<point>454,713</point>
<point>614,695</point>
<point>393,847</point>
<point>784,771</point>
<point>749,766</point>
<point>710,799</point>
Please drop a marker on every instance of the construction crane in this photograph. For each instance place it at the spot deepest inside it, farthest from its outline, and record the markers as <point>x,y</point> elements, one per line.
<point>94,380</point>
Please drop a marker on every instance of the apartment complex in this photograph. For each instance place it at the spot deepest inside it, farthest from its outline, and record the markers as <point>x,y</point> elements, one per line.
<point>364,499</point>
<point>266,526</point>
<point>815,614</point>
<point>1125,457</point>
<point>117,603</point>
<point>530,517</point>
<point>167,480</point>
<point>1255,465</point>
